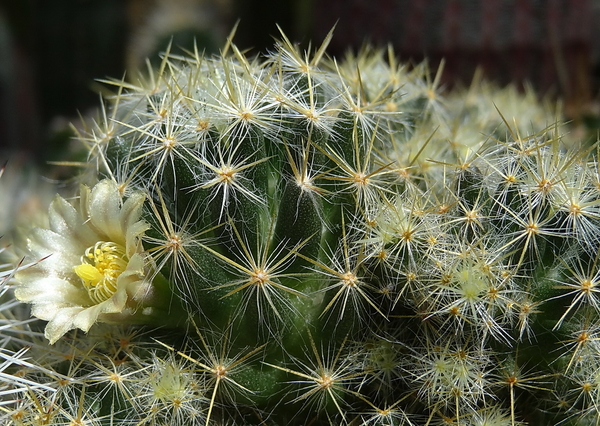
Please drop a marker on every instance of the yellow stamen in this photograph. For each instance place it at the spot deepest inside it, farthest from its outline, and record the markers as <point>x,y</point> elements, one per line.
<point>100,267</point>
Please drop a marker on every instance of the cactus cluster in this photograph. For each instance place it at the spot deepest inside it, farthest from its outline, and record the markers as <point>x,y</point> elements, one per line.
<point>295,240</point>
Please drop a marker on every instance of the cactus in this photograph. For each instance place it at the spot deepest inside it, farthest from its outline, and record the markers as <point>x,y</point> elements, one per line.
<point>292,239</point>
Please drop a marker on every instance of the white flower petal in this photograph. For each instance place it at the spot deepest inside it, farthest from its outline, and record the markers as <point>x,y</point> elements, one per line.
<point>43,242</point>
<point>132,237</point>
<point>48,293</point>
<point>86,318</point>
<point>105,211</point>
<point>132,210</point>
<point>66,221</point>
<point>61,323</point>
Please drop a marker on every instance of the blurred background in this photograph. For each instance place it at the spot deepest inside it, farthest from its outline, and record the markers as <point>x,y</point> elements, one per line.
<point>52,50</point>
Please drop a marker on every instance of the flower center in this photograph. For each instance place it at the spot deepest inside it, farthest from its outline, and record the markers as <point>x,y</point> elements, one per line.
<point>100,267</point>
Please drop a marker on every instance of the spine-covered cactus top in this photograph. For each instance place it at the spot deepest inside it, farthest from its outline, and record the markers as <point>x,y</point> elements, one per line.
<point>296,240</point>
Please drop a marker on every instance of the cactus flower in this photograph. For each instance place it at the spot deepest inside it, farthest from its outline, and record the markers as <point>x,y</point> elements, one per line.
<point>93,266</point>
